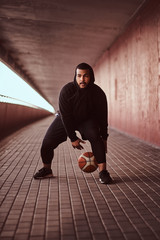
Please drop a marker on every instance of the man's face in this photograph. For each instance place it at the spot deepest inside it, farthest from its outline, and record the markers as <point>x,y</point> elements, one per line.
<point>83,77</point>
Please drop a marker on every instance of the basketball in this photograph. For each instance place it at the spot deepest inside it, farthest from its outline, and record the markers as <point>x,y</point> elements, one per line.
<point>87,162</point>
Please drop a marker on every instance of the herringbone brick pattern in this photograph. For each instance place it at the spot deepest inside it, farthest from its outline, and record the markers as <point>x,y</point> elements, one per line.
<point>74,205</point>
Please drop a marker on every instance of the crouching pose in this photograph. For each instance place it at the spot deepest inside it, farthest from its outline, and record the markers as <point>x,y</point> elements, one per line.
<point>83,108</point>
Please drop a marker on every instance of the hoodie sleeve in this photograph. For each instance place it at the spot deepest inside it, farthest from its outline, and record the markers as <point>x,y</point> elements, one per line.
<point>66,112</point>
<point>102,113</point>
<point>104,121</point>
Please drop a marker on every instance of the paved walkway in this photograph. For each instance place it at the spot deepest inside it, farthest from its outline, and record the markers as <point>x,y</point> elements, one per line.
<point>74,205</point>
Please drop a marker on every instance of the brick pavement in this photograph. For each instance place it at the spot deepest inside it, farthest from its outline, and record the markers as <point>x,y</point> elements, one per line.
<point>74,205</point>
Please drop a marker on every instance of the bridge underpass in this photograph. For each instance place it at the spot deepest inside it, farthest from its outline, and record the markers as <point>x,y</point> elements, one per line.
<point>43,42</point>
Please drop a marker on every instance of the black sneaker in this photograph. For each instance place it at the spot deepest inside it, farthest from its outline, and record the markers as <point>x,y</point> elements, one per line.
<point>44,173</point>
<point>104,177</point>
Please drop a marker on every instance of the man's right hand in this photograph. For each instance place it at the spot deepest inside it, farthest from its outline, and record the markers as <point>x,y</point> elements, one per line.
<point>76,144</point>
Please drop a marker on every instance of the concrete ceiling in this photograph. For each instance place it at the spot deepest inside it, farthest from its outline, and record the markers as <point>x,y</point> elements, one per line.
<point>48,38</point>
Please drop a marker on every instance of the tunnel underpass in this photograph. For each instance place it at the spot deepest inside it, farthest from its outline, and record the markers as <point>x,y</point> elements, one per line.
<point>43,42</point>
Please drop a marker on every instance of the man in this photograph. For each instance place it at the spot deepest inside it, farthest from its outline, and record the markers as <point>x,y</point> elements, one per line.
<point>83,107</point>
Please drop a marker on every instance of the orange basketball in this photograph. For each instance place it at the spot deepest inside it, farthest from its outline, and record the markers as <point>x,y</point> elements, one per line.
<point>87,162</point>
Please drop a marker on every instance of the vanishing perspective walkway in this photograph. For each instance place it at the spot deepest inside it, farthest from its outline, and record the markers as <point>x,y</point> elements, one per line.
<point>74,205</point>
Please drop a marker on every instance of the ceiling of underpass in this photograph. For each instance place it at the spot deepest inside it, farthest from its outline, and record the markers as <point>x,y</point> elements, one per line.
<point>48,38</point>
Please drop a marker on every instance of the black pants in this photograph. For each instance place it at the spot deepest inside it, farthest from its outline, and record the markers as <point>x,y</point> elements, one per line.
<point>56,134</point>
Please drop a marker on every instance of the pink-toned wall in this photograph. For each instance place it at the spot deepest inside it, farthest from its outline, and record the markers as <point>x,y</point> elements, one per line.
<point>129,73</point>
<point>13,117</point>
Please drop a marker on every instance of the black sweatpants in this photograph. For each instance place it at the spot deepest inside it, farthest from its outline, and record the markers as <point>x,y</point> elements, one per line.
<point>56,134</point>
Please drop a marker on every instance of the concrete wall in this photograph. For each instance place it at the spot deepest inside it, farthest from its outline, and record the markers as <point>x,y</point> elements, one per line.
<point>13,117</point>
<point>129,72</point>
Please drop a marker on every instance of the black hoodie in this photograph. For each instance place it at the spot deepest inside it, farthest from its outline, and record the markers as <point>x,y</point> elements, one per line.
<point>77,105</point>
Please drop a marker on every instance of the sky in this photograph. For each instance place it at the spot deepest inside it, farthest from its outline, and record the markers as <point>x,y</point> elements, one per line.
<point>14,89</point>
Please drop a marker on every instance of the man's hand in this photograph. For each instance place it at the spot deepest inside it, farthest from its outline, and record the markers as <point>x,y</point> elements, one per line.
<point>76,144</point>
<point>105,145</point>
